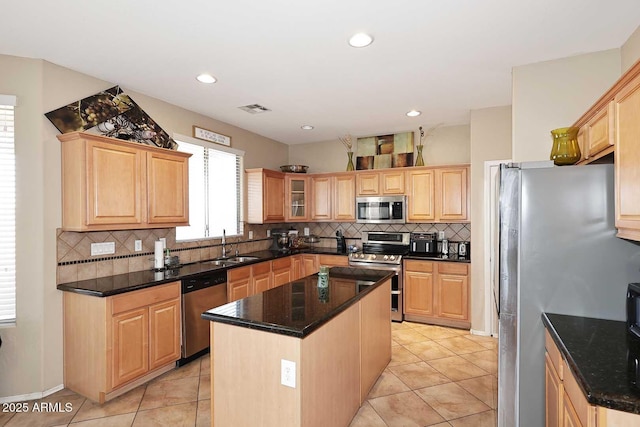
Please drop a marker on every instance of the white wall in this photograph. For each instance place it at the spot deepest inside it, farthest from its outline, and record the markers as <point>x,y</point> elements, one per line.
<point>630,50</point>
<point>490,140</point>
<point>554,94</point>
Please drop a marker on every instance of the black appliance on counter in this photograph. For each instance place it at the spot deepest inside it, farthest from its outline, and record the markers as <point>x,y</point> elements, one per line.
<point>424,243</point>
<point>341,244</point>
<point>280,238</point>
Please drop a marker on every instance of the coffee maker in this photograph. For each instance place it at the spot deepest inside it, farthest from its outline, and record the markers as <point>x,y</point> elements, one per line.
<point>280,238</point>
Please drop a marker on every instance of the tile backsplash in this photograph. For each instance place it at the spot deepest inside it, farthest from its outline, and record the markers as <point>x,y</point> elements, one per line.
<point>76,263</point>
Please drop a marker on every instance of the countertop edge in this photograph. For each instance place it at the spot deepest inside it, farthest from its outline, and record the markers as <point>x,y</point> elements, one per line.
<point>606,400</point>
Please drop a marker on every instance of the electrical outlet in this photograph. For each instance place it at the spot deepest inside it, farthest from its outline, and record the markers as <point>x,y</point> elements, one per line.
<point>250,235</point>
<point>306,231</point>
<point>164,242</point>
<point>104,248</point>
<point>137,245</point>
<point>268,233</point>
<point>440,235</point>
<point>288,373</point>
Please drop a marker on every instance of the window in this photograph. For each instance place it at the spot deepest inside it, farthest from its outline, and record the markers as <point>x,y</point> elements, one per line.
<point>7,211</point>
<point>215,196</point>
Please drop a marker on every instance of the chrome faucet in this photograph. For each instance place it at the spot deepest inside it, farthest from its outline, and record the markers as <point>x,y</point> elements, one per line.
<point>224,249</point>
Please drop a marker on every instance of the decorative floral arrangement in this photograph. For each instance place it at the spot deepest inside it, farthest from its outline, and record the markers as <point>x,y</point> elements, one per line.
<point>347,141</point>
<point>424,136</point>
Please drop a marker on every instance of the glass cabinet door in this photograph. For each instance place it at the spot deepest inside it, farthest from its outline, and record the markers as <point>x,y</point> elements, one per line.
<point>297,198</point>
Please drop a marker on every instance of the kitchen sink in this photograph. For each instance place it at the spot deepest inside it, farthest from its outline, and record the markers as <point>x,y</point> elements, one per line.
<point>241,259</point>
<point>221,263</point>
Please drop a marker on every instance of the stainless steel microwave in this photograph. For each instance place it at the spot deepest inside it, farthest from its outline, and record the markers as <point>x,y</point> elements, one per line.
<point>381,210</point>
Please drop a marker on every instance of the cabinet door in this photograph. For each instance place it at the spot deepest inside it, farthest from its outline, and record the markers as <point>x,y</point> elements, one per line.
<point>239,283</point>
<point>130,355</point>
<point>418,292</point>
<point>273,198</point>
<point>627,160</point>
<point>296,198</point>
<point>321,189</point>
<point>281,271</point>
<point>164,333</point>
<point>368,183</point>
<point>600,131</point>
<point>452,296</point>
<point>297,269</point>
<point>421,196</point>
<point>569,415</point>
<point>333,260</point>
<point>344,206</point>
<point>553,395</point>
<point>115,184</point>
<point>168,189</point>
<point>309,265</point>
<point>392,182</point>
<point>451,188</point>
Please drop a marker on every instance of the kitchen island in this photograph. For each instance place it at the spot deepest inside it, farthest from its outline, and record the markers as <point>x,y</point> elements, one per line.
<point>300,355</point>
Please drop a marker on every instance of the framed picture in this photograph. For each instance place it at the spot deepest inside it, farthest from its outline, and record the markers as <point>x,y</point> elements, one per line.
<point>211,136</point>
<point>385,151</point>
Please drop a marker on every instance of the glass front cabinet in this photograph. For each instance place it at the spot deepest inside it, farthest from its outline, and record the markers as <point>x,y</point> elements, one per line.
<point>297,198</point>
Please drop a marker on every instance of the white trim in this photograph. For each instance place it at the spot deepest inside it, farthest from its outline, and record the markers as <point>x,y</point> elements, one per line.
<point>190,140</point>
<point>488,272</point>
<point>479,333</point>
<point>31,396</point>
<point>8,100</point>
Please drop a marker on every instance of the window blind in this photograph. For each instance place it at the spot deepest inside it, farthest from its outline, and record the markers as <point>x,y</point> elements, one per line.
<point>7,211</point>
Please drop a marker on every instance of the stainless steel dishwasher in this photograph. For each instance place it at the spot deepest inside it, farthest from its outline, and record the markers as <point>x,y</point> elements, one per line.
<point>200,294</point>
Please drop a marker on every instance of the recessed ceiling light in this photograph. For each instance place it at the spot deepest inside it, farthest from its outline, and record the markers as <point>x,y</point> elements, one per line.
<point>306,127</point>
<point>360,40</point>
<point>414,113</point>
<point>206,78</point>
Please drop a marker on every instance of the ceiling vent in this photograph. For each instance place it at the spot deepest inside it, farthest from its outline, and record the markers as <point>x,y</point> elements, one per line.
<point>254,109</point>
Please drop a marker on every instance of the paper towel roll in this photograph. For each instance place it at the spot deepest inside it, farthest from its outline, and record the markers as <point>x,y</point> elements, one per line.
<point>158,256</point>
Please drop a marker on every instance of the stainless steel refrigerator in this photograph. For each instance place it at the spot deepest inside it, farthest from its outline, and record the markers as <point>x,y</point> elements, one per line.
<point>558,254</point>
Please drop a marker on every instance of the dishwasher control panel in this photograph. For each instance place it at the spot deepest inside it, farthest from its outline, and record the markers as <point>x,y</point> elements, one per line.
<point>203,281</point>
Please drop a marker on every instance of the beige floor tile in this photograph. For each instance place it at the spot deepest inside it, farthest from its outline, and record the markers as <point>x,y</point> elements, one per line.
<point>127,403</point>
<point>170,416</point>
<point>407,336</point>
<point>482,388</point>
<point>5,417</point>
<point>451,401</point>
<point>445,424</point>
<point>166,393</point>
<point>48,417</point>
<point>401,356</point>
<point>204,388</point>
<point>203,415</point>
<point>460,345</point>
<point>484,419</point>
<point>405,410</point>
<point>191,369</point>
<point>418,375</point>
<point>367,417</point>
<point>387,384</point>
<point>205,364</point>
<point>487,360</point>
<point>123,420</point>
<point>429,350</point>
<point>437,332</point>
<point>394,344</point>
<point>456,368</point>
<point>489,343</point>
<point>396,326</point>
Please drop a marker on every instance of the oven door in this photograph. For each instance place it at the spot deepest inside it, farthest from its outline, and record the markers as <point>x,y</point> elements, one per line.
<point>397,309</point>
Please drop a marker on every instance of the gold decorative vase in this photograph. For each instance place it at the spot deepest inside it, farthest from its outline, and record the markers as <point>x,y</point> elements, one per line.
<point>565,149</point>
<point>419,159</point>
<point>350,164</point>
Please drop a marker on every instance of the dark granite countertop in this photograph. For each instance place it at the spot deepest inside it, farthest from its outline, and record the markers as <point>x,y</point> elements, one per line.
<point>121,283</point>
<point>298,308</point>
<point>597,351</point>
<point>440,257</point>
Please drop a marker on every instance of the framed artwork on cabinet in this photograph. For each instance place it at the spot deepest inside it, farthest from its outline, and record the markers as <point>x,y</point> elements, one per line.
<point>385,151</point>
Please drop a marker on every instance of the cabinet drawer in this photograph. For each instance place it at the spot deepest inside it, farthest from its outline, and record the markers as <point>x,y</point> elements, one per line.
<point>282,263</point>
<point>261,268</point>
<point>144,297</point>
<point>584,410</point>
<point>238,273</point>
<point>554,353</point>
<point>419,266</point>
<point>333,260</point>
<point>453,268</point>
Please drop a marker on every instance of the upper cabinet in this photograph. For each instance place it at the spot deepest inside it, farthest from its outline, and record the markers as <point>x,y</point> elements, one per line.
<point>333,197</point>
<point>110,184</point>
<point>438,194</point>
<point>265,193</point>
<point>296,198</point>
<point>380,183</point>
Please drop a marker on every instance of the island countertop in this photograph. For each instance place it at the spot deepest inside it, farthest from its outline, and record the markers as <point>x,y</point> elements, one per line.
<point>300,307</point>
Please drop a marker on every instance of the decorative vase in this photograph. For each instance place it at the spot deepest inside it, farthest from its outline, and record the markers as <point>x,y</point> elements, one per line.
<point>419,159</point>
<point>565,149</point>
<point>350,164</point>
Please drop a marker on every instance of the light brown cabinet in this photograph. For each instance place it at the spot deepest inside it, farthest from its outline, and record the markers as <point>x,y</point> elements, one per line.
<point>282,272</point>
<point>297,268</point>
<point>116,343</point>
<point>438,194</point>
<point>109,184</point>
<point>239,283</point>
<point>437,292</point>
<point>260,278</point>
<point>333,260</point>
<point>599,132</point>
<point>296,198</point>
<point>380,183</point>
<point>333,197</point>
<point>309,265</point>
<point>321,189</point>
<point>265,196</point>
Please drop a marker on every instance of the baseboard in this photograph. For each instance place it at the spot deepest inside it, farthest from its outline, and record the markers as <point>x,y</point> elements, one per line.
<point>481,333</point>
<point>31,396</point>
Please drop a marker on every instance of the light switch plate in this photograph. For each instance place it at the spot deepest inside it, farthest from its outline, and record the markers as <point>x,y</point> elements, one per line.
<point>137,245</point>
<point>268,233</point>
<point>288,373</point>
<point>250,235</point>
<point>104,248</point>
<point>306,231</point>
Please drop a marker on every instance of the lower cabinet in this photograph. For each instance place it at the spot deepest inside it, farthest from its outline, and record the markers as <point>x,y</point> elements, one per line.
<point>281,271</point>
<point>260,277</point>
<point>238,283</point>
<point>437,292</point>
<point>309,265</point>
<point>116,343</point>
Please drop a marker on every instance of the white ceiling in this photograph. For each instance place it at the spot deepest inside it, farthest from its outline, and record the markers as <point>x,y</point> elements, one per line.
<point>442,57</point>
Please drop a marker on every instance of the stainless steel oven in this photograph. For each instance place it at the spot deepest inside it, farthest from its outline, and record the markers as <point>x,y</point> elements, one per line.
<point>383,251</point>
